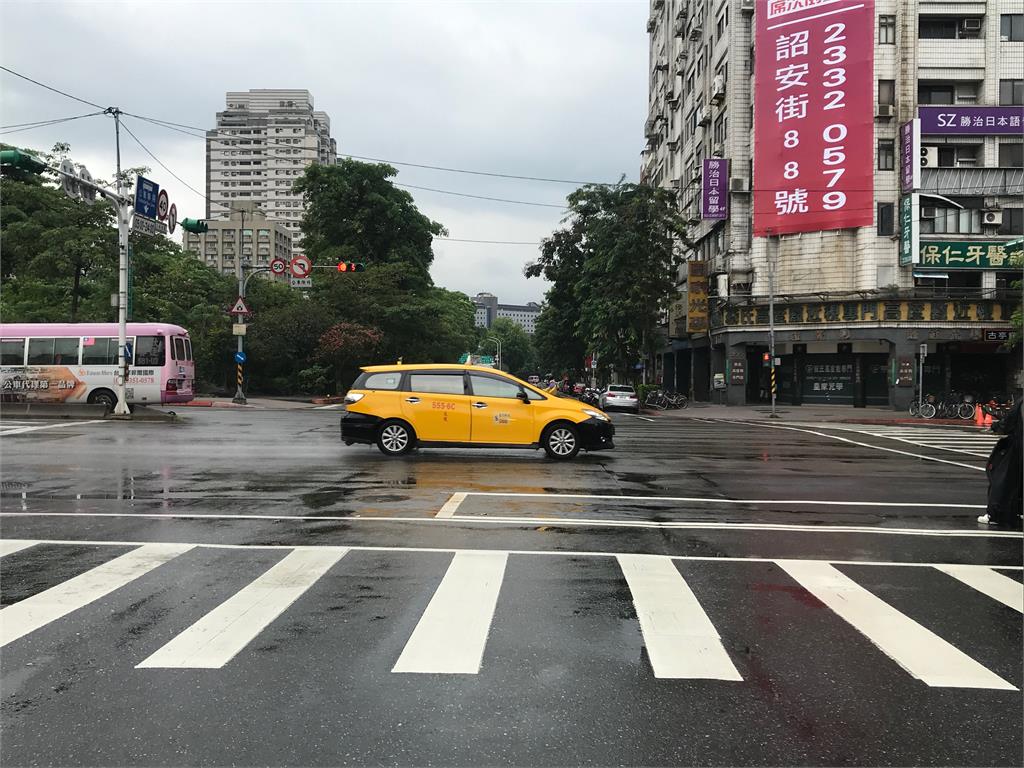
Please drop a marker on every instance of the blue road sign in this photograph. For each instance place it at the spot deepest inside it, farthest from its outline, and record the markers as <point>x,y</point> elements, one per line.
<point>129,353</point>
<point>146,194</point>
<point>240,358</point>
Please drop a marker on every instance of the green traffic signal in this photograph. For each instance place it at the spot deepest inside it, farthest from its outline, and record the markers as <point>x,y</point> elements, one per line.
<point>195,226</point>
<point>22,160</point>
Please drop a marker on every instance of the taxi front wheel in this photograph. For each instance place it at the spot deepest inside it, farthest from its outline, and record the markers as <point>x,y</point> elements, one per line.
<point>395,438</point>
<point>561,441</point>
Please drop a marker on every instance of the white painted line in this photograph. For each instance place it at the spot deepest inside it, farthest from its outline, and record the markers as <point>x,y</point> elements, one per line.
<point>992,583</point>
<point>644,418</point>
<point>560,521</point>
<point>451,505</point>
<point>680,639</point>
<point>30,614</point>
<point>702,500</point>
<point>23,430</point>
<point>216,638</point>
<point>452,633</point>
<point>10,546</point>
<point>548,552</point>
<point>864,445</point>
<point>332,407</point>
<point>917,649</point>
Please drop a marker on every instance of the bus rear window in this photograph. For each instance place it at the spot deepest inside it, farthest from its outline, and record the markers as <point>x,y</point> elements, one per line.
<point>12,352</point>
<point>179,348</point>
<point>150,351</point>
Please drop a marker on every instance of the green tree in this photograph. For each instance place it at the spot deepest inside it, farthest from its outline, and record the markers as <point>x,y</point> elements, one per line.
<point>613,266</point>
<point>344,346</point>
<point>517,354</point>
<point>354,213</point>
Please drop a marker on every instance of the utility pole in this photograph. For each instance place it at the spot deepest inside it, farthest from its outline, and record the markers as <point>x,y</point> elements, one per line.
<point>773,245</point>
<point>123,223</point>
<point>239,397</point>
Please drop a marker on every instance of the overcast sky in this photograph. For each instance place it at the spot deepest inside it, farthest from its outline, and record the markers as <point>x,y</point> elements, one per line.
<point>548,89</point>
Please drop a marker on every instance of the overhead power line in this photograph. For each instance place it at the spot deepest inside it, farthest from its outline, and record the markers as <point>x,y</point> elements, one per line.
<point>51,88</point>
<point>478,197</point>
<point>488,242</point>
<point>18,127</point>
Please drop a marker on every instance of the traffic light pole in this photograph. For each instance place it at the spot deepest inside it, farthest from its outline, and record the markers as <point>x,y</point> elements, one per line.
<point>239,397</point>
<point>123,209</point>
<point>773,245</point>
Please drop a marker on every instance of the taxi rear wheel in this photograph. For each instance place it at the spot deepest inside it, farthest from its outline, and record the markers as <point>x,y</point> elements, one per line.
<point>395,438</point>
<point>561,441</point>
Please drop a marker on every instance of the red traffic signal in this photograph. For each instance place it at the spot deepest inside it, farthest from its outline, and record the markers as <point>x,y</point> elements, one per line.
<point>348,266</point>
<point>766,357</point>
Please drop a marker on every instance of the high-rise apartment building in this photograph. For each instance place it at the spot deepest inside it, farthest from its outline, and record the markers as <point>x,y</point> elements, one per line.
<point>488,310</point>
<point>262,143</point>
<point>788,129</point>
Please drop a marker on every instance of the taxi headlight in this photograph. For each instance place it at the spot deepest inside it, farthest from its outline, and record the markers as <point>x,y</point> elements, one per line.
<point>354,397</point>
<point>596,414</point>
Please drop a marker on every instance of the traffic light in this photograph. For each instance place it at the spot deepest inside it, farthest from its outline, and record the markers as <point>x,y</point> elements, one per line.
<point>22,161</point>
<point>766,360</point>
<point>195,226</point>
<point>348,266</point>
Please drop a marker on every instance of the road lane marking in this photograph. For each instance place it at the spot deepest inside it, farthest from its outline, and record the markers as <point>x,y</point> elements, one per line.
<point>557,496</point>
<point>221,634</point>
<point>551,552</point>
<point>451,635</point>
<point>997,586</point>
<point>681,641</point>
<point>30,614</point>
<point>23,430</point>
<point>9,547</point>
<point>855,442</point>
<point>917,649</point>
<point>451,505</point>
<point>984,533</point>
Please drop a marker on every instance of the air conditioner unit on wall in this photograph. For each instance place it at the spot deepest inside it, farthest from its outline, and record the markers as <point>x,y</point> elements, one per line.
<point>992,218</point>
<point>738,184</point>
<point>884,111</point>
<point>971,24</point>
<point>929,157</point>
<point>747,6</point>
<point>928,211</point>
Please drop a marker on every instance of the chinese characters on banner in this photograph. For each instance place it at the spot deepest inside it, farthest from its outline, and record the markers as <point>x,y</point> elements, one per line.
<point>697,297</point>
<point>714,200</point>
<point>814,115</point>
<point>910,155</point>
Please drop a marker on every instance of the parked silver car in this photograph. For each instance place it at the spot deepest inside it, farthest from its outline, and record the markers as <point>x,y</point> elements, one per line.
<point>619,396</point>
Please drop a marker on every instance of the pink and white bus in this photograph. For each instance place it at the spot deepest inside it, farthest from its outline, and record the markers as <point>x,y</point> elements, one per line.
<point>77,363</point>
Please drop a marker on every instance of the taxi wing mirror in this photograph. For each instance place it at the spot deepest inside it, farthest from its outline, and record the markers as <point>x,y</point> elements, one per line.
<point>523,396</point>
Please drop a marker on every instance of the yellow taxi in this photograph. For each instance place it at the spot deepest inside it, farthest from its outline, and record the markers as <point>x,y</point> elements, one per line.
<point>400,407</point>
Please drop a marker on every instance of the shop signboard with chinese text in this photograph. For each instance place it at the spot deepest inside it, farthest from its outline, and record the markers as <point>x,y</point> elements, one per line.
<point>814,115</point>
<point>714,199</point>
<point>974,120</point>
<point>910,228</point>
<point>869,312</point>
<point>966,255</point>
<point>910,156</point>
<point>697,297</point>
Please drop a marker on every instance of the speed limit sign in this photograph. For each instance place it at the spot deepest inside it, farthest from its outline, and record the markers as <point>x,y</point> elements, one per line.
<point>161,205</point>
<point>278,266</point>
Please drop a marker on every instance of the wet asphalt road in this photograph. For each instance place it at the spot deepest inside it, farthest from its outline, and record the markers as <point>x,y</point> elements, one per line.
<point>569,668</point>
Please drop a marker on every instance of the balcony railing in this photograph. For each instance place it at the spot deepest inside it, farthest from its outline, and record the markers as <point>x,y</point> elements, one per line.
<point>973,181</point>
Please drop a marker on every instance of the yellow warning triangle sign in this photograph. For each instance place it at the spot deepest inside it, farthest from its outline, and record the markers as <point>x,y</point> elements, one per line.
<point>239,308</point>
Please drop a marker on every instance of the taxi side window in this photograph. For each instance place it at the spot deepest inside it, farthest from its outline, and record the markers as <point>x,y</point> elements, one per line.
<point>485,386</point>
<point>382,381</point>
<point>437,383</point>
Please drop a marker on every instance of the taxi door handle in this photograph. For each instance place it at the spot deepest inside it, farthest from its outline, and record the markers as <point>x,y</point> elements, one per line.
<point>479,405</point>
<point>413,400</point>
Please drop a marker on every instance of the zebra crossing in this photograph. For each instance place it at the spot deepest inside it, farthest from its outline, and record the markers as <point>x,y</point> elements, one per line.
<point>10,427</point>
<point>679,622</point>
<point>951,439</point>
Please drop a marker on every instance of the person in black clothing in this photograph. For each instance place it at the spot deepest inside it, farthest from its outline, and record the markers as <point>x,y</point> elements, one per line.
<point>1005,472</point>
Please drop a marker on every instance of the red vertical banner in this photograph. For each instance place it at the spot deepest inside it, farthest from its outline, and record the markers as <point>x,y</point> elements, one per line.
<point>814,92</point>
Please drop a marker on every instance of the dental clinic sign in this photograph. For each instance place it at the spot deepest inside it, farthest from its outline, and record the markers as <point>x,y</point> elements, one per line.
<point>814,115</point>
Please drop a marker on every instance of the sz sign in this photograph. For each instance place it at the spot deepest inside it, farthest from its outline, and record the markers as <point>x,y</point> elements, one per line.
<point>814,115</point>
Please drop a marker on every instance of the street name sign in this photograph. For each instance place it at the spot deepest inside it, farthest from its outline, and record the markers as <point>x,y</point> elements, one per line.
<point>146,194</point>
<point>301,282</point>
<point>146,226</point>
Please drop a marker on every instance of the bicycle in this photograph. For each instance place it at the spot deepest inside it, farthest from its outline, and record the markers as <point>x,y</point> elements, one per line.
<point>656,399</point>
<point>924,409</point>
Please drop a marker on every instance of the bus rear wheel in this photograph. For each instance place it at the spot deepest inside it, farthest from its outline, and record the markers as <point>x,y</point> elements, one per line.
<point>103,397</point>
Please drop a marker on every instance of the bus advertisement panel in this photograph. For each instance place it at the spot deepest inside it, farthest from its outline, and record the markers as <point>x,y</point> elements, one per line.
<point>814,115</point>
<point>77,363</point>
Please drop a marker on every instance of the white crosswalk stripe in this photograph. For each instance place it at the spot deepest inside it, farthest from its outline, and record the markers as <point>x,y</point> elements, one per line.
<point>20,428</point>
<point>953,439</point>
<point>452,634</point>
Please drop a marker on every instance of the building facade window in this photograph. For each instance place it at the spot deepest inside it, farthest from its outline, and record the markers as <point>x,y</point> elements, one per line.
<point>947,93</point>
<point>887,30</point>
<point>1011,27</point>
<point>1011,92</point>
<point>886,154</point>
<point>949,27</point>
<point>1013,222</point>
<point>951,221</point>
<point>959,156</point>
<point>887,92</point>
<point>886,219</point>
<point>1011,155</point>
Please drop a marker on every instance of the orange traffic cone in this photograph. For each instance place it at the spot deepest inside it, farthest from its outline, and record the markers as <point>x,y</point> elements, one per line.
<point>979,415</point>
<point>988,419</point>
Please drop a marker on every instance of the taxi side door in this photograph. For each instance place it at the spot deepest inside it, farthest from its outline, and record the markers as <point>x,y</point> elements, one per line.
<point>437,406</point>
<point>499,415</point>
